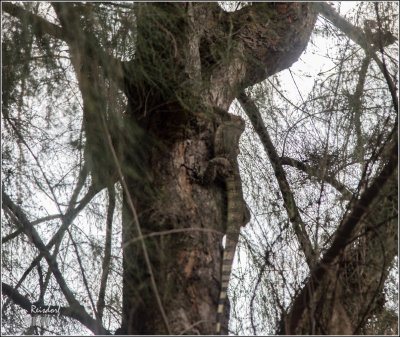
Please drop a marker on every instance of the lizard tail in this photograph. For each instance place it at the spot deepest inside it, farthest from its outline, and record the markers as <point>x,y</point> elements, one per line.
<point>226,271</point>
<point>234,221</point>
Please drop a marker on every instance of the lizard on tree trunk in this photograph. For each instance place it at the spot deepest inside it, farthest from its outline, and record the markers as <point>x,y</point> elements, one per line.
<point>226,150</point>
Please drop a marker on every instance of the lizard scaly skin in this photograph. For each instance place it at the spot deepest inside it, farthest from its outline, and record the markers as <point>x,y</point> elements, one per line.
<point>226,149</point>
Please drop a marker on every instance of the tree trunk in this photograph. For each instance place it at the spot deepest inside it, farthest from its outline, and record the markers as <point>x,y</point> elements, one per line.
<point>192,59</point>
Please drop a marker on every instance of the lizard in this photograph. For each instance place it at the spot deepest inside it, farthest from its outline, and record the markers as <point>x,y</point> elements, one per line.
<point>226,150</point>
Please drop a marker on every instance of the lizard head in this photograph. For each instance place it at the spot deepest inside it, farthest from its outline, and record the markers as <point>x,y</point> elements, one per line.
<point>237,122</point>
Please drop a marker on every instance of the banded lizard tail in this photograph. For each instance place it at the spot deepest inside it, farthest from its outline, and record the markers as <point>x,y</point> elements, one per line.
<point>226,150</point>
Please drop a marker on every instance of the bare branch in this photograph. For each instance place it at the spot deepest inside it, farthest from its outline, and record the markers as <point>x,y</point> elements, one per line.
<point>358,36</point>
<point>81,180</point>
<point>52,263</point>
<point>315,172</point>
<point>85,282</point>
<point>107,253</point>
<point>24,303</point>
<point>343,236</point>
<point>355,33</point>
<point>290,205</point>
<point>36,222</point>
<point>40,26</point>
<point>56,239</point>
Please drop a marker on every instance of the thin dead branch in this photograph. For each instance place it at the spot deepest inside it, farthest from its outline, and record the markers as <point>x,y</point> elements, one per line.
<point>343,236</point>
<point>34,237</point>
<point>357,35</point>
<point>299,227</point>
<point>107,252</point>
<point>315,172</point>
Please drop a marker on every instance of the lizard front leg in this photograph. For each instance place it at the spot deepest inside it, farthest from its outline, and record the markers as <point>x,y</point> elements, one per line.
<point>216,166</point>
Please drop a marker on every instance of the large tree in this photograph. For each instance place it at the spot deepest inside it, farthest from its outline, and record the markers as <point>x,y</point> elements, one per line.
<point>155,81</point>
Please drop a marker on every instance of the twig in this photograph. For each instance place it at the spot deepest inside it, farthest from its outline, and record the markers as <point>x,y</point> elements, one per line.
<point>358,36</point>
<point>34,237</point>
<point>107,252</point>
<point>24,303</point>
<point>289,202</point>
<point>193,325</point>
<point>36,222</point>
<point>314,172</point>
<point>343,234</point>
<point>172,231</point>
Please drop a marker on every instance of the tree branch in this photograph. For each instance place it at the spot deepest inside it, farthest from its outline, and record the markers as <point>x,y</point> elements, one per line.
<point>107,253</point>
<point>92,67</point>
<point>85,46</point>
<point>259,280</point>
<point>343,236</point>
<point>356,106</point>
<point>52,263</point>
<point>315,172</point>
<point>40,26</point>
<point>57,237</point>
<point>36,222</point>
<point>290,205</point>
<point>357,35</point>
<point>25,304</point>
<point>82,270</point>
<point>263,29</point>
